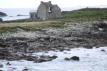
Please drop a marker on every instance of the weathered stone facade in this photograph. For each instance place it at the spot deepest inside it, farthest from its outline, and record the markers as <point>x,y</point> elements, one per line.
<point>46,10</point>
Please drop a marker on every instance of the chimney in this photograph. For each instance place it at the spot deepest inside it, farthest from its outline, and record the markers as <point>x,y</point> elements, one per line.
<point>41,2</point>
<point>50,2</point>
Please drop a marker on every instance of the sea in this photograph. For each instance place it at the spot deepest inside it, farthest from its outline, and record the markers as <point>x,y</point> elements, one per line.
<point>90,60</point>
<point>16,13</point>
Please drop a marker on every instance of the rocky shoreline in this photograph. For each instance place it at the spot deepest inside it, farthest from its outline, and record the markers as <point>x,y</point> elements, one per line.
<point>16,46</point>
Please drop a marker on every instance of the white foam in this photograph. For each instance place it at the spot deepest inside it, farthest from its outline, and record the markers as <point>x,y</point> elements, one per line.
<point>90,60</point>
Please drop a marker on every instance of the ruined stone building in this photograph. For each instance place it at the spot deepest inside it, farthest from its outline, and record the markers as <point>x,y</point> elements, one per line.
<point>46,10</point>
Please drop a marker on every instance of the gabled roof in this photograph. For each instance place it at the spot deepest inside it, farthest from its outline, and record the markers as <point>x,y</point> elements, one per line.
<point>47,4</point>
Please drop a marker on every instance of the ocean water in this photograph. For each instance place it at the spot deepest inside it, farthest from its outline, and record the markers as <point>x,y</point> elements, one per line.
<point>90,60</point>
<point>16,13</point>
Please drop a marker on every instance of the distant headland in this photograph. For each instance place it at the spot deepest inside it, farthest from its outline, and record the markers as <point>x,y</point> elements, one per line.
<point>2,14</point>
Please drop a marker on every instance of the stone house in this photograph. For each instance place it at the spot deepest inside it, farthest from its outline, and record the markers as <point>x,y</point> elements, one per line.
<point>46,10</point>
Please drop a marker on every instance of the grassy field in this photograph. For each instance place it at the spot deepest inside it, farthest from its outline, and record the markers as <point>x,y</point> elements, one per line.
<point>86,14</point>
<point>29,26</point>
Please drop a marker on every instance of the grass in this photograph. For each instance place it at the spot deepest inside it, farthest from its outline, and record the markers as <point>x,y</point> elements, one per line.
<point>29,26</point>
<point>86,14</point>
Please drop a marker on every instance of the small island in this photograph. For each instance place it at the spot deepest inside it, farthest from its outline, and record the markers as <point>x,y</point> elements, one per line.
<point>2,14</point>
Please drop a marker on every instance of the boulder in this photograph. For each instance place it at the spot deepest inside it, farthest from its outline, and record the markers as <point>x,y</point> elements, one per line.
<point>1,66</point>
<point>103,50</point>
<point>76,58</point>
<point>8,63</point>
<point>67,59</point>
<point>25,69</point>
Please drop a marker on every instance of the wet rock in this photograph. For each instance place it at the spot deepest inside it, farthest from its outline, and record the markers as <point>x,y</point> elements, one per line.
<point>39,59</point>
<point>2,44</point>
<point>30,58</point>
<point>25,69</point>
<point>61,49</point>
<point>103,50</point>
<point>76,58</point>
<point>16,38</point>
<point>67,34</point>
<point>1,66</point>
<point>20,46</point>
<point>67,59</point>
<point>102,25</point>
<point>46,58</point>
<point>4,53</point>
<point>8,63</point>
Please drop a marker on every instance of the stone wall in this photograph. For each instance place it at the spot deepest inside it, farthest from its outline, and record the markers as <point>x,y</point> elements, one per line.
<point>33,15</point>
<point>46,10</point>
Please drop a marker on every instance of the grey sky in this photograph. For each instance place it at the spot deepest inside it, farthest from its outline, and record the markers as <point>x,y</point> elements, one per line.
<point>61,3</point>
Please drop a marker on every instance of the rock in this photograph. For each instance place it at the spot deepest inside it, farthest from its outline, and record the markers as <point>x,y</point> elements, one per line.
<point>102,25</point>
<point>67,59</point>
<point>46,58</point>
<point>103,50</point>
<point>1,19</point>
<point>2,44</point>
<point>75,58</point>
<point>72,58</point>
<point>54,57</point>
<point>67,34</point>
<point>30,58</point>
<point>25,69</point>
<point>1,66</point>
<point>8,63</point>
<point>4,53</point>
<point>39,59</point>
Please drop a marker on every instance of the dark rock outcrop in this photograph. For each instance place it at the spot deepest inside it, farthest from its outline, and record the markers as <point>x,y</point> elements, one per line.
<point>1,66</point>
<point>67,59</point>
<point>25,69</point>
<point>1,19</point>
<point>2,14</point>
<point>4,53</point>
<point>75,58</point>
<point>103,50</point>
<point>8,63</point>
<point>40,58</point>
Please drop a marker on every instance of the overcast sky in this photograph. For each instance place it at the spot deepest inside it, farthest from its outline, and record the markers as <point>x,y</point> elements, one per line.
<point>61,3</point>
